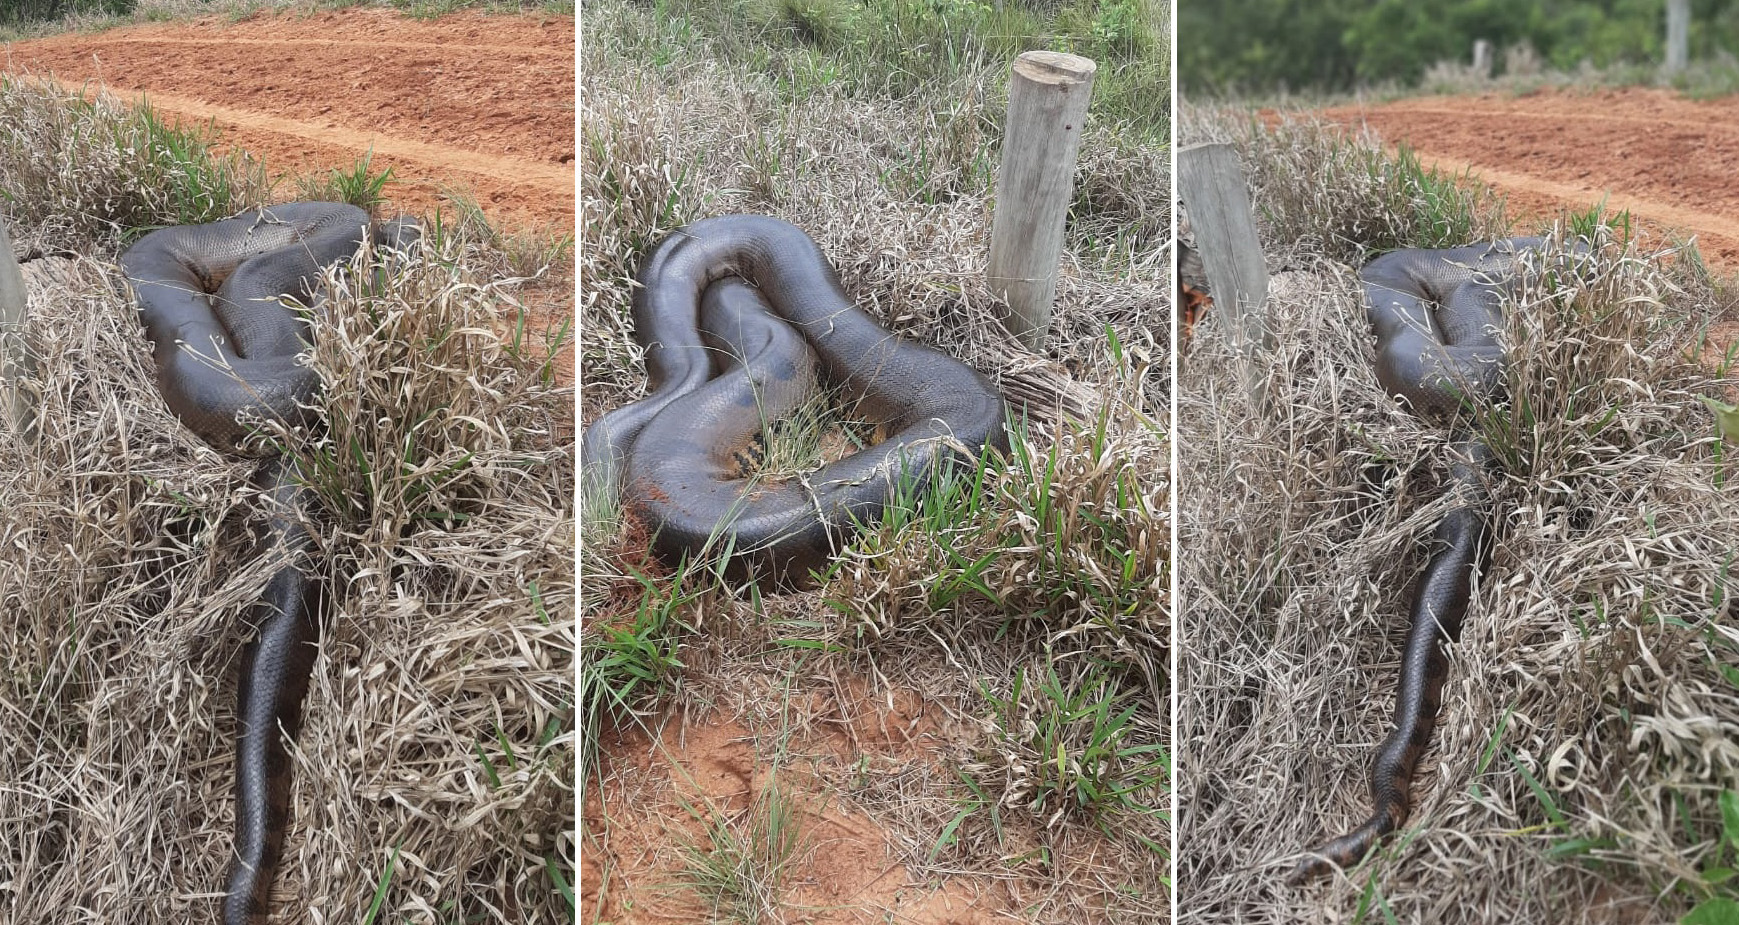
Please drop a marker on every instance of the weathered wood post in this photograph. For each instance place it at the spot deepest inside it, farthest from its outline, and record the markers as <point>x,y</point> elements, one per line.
<point>1482,58</point>
<point>1678,34</point>
<point>1047,104</point>
<point>15,360</point>
<point>1211,184</point>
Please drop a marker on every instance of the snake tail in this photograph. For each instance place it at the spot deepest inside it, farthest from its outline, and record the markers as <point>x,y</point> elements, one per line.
<point>1461,546</point>
<point>276,667</point>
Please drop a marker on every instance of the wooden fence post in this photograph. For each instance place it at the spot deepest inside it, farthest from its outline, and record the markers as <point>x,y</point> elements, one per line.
<point>1482,58</point>
<point>15,359</point>
<point>1678,34</point>
<point>1047,104</point>
<point>1211,184</point>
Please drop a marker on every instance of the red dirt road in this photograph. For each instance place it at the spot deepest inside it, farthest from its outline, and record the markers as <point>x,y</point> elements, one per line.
<point>481,104</point>
<point>1673,162</point>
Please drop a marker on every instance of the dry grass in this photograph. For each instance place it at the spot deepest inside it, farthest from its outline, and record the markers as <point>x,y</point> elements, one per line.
<point>895,192</point>
<point>1589,723</point>
<point>443,689</point>
<point>436,756</point>
<point>80,172</point>
<point>1327,191</point>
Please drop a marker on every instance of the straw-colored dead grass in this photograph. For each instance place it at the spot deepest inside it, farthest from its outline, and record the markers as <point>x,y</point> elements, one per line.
<point>80,172</point>
<point>437,724</point>
<point>1591,662</point>
<point>895,193</point>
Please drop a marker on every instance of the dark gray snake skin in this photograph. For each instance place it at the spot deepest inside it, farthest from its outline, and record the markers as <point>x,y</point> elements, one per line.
<point>209,297</point>
<point>1439,360</point>
<point>775,320</point>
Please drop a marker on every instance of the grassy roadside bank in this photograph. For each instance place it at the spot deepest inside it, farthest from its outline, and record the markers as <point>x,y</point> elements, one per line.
<point>1030,669</point>
<point>445,681</point>
<point>1583,768</point>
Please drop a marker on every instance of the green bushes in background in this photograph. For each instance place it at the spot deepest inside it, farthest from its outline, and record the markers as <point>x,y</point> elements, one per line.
<point>1258,46</point>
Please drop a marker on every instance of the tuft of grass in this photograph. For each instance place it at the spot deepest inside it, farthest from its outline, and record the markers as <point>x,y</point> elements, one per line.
<point>432,318</point>
<point>1062,535</point>
<point>630,668</point>
<point>1593,224</point>
<point>817,432</point>
<point>741,870</point>
<point>1076,743</point>
<point>1559,411</point>
<point>84,170</point>
<point>1321,188</point>
<point>359,186</point>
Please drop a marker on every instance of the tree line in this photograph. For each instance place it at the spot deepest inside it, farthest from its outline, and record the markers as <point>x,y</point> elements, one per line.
<point>1258,46</point>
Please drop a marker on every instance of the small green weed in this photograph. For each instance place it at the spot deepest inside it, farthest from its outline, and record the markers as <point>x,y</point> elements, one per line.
<point>1078,745</point>
<point>741,869</point>
<point>626,669</point>
<point>359,186</point>
<point>1593,224</point>
<point>1718,873</point>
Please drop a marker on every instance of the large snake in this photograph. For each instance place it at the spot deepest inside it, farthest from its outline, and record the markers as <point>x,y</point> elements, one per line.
<point>774,313</point>
<point>210,297</point>
<point>1441,361</point>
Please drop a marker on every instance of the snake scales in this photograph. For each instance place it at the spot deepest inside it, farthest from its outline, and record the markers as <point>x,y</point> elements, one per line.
<point>210,299</point>
<point>1439,361</point>
<point>740,317</point>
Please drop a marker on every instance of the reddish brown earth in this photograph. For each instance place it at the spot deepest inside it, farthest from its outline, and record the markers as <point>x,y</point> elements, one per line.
<point>661,795</point>
<point>1672,162</point>
<point>483,104</point>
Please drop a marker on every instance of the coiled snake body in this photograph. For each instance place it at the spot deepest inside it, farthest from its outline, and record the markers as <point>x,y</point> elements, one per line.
<point>209,297</point>
<point>1438,360</point>
<point>740,317</point>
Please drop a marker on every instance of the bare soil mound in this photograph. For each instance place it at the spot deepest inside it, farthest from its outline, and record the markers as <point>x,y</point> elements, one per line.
<point>482,104</point>
<point>1668,160</point>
